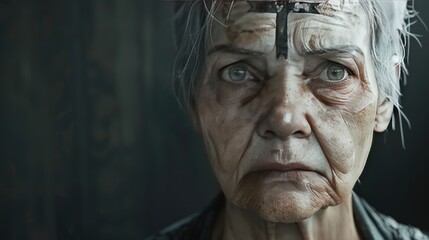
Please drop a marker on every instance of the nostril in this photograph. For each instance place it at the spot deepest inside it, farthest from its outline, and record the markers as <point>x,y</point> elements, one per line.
<point>269,134</point>
<point>301,134</point>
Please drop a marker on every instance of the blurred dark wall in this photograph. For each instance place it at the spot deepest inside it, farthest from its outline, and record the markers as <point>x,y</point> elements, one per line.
<point>94,145</point>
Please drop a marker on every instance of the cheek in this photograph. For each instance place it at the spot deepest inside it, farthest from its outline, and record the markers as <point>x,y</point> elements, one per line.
<point>361,128</point>
<point>349,96</point>
<point>344,130</point>
<point>226,126</point>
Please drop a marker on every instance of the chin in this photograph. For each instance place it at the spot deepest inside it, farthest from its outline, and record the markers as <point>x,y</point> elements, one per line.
<point>283,203</point>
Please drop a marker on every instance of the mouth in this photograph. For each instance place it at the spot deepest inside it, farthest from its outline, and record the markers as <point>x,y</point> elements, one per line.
<point>289,172</point>
<point>280,167</point>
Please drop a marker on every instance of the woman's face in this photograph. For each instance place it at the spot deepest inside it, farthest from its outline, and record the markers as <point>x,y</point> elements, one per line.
<point>288,135</point>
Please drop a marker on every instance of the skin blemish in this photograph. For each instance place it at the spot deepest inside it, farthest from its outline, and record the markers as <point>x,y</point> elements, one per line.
<point>282,9</point>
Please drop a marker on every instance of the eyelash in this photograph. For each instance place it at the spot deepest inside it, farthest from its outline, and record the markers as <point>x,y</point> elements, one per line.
<point>324,67</point>
<point>349,71</point>
<point>250,70</point>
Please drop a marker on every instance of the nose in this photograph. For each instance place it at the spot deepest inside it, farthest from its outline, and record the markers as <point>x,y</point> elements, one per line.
<point>284,119</point>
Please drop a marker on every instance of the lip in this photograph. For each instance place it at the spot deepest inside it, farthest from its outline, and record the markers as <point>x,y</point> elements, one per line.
<point>289,172</point>
<point>280,167</point>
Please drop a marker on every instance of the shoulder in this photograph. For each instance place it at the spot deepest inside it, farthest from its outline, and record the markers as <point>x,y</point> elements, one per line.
<point>402,231</point>
<point>182,229</point>
<point>196,226</point>
<point>374,225</point>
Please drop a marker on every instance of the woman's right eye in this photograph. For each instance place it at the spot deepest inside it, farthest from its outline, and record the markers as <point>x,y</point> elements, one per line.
<point>236,73</point>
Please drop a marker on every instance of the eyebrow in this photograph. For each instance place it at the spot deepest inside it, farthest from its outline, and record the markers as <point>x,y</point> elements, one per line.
<point>352,49</point>
<point>234,50</point>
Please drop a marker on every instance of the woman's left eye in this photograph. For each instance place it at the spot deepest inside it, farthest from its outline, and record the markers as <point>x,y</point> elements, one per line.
<point>334,73</point>
<point>236,73</point>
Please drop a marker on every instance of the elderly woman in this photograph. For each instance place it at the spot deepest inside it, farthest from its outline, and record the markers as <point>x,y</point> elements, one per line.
<point>287,95</point>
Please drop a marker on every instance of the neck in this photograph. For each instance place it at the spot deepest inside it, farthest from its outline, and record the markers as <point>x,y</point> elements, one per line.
<point>330,223</point>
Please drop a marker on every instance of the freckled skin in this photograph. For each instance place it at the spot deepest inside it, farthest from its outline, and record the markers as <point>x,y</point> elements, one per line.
<point>288,115</point>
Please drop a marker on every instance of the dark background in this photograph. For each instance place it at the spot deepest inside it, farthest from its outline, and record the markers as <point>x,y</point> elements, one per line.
<point>94,145</point>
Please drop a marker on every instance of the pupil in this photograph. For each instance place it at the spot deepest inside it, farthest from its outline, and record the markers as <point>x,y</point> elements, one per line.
<point>237,74</point>
<point>336,73</point>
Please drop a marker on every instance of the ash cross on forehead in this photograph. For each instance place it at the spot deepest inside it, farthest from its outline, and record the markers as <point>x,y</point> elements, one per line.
<point>282,8</point>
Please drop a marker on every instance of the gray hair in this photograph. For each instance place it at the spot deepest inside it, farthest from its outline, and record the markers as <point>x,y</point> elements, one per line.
<point>390,22</point>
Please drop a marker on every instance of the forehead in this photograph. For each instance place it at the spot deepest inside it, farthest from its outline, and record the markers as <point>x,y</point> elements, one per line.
<point>340,22</point>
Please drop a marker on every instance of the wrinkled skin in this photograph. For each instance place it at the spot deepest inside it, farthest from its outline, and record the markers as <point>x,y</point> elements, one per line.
<point>286,142</point>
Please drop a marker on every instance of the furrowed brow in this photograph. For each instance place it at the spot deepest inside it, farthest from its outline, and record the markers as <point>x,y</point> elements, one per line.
<point>283,9</point>
<point>234,50</point>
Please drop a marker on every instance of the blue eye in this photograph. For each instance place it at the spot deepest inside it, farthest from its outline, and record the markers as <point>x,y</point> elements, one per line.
<point>334,73</point>
<point>236,73</point>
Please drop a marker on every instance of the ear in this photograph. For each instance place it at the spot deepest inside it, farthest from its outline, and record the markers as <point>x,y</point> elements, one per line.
<point>385,107</point>
<point>384,114</point>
